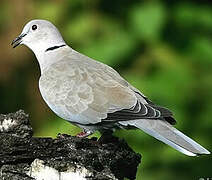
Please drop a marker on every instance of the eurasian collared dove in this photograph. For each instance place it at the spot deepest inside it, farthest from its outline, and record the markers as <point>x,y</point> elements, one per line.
<point>93,95</point>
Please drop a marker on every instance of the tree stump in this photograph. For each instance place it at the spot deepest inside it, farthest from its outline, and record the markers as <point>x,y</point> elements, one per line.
<point>23,157</point>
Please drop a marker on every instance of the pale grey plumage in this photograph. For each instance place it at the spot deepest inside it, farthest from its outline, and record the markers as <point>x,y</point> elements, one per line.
<point>94,96</point>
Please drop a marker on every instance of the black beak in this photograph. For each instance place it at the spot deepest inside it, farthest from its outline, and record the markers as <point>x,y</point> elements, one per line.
<point>17,41</point>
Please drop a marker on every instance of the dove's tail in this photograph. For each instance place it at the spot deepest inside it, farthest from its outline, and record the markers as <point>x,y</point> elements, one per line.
<point>166,133</point>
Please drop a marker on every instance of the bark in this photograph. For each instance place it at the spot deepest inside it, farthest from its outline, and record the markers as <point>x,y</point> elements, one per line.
<point>66,157</point>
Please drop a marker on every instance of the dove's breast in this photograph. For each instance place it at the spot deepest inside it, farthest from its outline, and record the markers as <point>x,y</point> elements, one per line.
<point>63,90</point>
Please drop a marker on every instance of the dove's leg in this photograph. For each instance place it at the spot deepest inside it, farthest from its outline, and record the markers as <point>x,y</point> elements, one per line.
<point>84,134</point>
<point>86,130</point>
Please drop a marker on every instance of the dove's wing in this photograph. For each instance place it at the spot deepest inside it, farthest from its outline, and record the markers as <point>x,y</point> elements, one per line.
<point>81,89</point>
<point>81,86</point>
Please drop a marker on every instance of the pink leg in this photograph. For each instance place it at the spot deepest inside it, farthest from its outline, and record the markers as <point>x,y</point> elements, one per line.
<point>84,134</point>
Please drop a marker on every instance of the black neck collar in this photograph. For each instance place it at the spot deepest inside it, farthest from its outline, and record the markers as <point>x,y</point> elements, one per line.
<point>54,47</point>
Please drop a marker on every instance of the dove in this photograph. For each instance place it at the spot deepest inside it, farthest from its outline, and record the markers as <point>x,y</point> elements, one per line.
<point>92,95</point>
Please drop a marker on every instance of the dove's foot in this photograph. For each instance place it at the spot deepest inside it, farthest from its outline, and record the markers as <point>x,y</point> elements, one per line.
<point>84,134</point>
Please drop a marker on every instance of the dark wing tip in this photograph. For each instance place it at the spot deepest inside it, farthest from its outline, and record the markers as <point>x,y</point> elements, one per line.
<point>170,120</point>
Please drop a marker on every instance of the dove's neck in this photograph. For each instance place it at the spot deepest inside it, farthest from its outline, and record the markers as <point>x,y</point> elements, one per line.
<point>51,55</point>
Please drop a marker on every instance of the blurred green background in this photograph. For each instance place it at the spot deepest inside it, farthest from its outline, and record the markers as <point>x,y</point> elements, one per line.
<point>164,48</point>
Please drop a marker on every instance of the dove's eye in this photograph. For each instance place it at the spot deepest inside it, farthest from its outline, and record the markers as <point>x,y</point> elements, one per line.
<point>34,27</point>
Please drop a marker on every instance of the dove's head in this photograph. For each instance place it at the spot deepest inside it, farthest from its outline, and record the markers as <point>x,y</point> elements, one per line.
<point>39,35</point>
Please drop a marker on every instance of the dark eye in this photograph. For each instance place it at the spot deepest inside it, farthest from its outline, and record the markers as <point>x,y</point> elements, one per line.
<point>34,27</point>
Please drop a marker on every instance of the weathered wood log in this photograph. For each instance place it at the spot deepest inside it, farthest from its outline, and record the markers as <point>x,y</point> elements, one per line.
<point>63,158</point>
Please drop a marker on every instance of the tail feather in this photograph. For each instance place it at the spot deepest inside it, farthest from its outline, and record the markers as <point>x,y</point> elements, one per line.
<point>166,133</point>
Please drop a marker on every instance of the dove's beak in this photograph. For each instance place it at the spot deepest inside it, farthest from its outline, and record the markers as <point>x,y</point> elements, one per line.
<point>17,41</point>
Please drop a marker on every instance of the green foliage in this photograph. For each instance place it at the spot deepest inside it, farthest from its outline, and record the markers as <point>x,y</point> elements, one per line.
<point>148,20</point>
<point>162,47</point>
